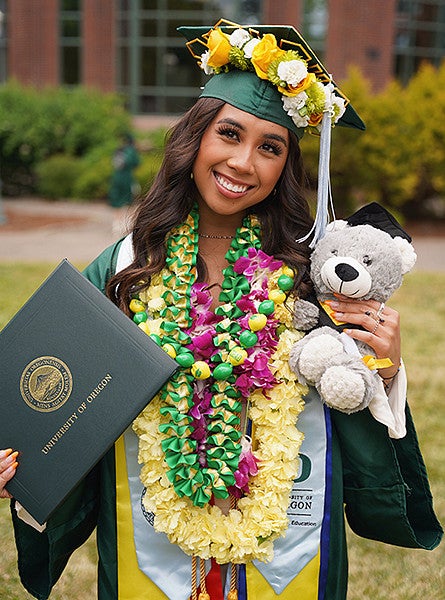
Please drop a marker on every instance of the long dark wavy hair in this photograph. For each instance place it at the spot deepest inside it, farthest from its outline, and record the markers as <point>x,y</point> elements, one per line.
<point>284,215</point>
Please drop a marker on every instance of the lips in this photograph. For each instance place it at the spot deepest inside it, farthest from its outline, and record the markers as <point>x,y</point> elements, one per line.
<point>230,186</point>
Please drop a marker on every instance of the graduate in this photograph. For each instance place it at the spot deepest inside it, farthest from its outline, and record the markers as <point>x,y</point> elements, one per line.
<point>235,480</point>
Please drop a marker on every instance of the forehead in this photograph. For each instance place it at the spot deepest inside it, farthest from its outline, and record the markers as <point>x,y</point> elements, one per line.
<point>250,122</point>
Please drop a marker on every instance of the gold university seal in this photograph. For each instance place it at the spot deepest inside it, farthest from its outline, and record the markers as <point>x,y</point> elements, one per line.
<point>46,383</point>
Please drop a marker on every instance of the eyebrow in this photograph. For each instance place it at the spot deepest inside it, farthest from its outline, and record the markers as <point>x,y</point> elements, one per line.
<point>268,136</point>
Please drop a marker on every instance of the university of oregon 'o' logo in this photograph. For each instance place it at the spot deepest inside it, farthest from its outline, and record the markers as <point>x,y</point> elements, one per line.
<point>46,383</point>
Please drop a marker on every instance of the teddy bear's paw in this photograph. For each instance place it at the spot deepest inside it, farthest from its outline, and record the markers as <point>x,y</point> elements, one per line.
<point>310,356</point>
<point>342,389</point>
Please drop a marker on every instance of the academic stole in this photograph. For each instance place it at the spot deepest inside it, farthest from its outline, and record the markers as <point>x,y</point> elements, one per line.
<point>151,568</point>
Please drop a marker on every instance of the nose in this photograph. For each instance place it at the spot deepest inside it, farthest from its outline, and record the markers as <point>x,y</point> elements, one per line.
<point>241,160</point>
<point>345,272</point>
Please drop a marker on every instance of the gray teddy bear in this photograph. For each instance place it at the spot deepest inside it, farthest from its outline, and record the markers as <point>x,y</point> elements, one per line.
<point>364,257</point>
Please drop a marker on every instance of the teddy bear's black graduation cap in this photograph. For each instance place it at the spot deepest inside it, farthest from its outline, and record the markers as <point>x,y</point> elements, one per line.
<point>374,214</point>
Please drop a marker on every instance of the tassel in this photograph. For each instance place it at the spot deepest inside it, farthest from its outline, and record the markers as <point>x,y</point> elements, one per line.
<point>194,578</point>
<point>324,197</point>
<point>233,593</point>
<point>202,581</point>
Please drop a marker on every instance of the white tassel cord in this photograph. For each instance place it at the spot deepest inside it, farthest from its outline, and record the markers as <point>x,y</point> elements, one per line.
<point>324,195</point>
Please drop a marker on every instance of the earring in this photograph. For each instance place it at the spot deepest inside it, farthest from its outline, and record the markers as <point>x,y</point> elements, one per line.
<point>191,176</point>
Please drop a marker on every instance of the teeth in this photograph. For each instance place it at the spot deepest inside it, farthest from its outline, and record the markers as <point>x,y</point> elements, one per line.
<point>231,187</point>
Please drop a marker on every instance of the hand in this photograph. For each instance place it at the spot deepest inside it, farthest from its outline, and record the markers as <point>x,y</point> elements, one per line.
<point>8,466</point>
<point>381,328</point>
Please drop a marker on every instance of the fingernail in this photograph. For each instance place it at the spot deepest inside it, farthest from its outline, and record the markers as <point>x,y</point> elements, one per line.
<point>11,458</point>
<point>11,469</point>
<point>5,453</point>
<point>333,304</point>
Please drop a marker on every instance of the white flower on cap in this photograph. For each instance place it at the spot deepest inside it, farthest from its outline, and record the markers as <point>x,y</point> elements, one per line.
<point>239,37</point>
<point>204,66</point>
<point>248,48</point>
<point>292,71</point>
<point>293,105</point>
<point>334,105</point>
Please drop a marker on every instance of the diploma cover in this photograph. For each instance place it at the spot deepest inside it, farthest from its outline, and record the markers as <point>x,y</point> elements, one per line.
<point>74,373</point>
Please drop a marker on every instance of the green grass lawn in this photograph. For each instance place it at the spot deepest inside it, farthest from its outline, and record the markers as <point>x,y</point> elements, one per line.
<point>377,571</point>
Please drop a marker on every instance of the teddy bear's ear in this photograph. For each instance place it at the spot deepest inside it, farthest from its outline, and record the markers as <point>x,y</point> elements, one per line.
<point>407,252</point>
<point>337,225</point>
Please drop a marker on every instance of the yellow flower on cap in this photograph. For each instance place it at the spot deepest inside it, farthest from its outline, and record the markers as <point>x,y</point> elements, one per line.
<point>315,120</point>
<point>304,84</point>
<point>219,48</point>
<point>265,53</point>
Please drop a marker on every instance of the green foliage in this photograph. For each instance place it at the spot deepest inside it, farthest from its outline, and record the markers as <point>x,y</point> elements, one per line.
<point>94,179</point>
<point>398,161</point>
<point>38,124</point>
<point>57,175</point>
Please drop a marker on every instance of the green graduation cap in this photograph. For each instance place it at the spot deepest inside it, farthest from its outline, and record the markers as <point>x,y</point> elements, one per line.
<point>271,72</point>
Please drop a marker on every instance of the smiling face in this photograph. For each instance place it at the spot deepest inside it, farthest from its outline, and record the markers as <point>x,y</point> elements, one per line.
<point>239,162</point>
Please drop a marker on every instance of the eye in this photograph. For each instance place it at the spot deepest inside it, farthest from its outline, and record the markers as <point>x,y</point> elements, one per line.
<point>367,260</point>
<point>228,132</point>
<point>334,252</point>
<point>272,148</point>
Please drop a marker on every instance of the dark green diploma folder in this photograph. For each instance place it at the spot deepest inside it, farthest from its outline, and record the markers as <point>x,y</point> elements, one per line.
<point>74,373</point>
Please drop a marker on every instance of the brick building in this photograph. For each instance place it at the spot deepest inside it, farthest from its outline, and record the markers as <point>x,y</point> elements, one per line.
<point>132,46</point>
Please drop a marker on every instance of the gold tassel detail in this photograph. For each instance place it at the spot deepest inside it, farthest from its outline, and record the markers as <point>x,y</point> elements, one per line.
<point>194,579</point>
<point>233,593</point>
<point>202,580</point>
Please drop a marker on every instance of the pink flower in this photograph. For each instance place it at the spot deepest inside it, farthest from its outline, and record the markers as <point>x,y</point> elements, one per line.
<point>255,259</point>
<point>247,467</point>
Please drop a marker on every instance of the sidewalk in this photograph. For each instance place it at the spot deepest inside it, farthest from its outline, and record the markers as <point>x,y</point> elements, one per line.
<point>43,231</point>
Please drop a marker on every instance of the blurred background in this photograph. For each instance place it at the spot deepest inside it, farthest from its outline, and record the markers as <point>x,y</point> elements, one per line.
<point>77,74</point>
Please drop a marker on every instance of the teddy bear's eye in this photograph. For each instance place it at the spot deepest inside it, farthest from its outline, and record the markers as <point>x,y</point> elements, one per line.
<point>366,260</point>
<point>334,252</point>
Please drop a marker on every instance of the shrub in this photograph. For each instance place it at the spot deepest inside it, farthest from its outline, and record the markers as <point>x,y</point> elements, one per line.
<point>398,161</point>
<point>94,180</point>
<point>56,176</point>
<point>37,124</point>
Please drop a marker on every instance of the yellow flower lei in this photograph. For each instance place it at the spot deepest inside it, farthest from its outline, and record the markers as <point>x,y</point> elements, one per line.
<point>248,531</point>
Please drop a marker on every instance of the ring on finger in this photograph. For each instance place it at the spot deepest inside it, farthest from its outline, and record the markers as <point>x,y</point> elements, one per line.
<point>369,313</point>
<point>380,310</point>
<point>375,328</point>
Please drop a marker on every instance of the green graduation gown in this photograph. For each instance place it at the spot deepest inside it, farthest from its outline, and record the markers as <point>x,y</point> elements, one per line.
<point>380,483</point>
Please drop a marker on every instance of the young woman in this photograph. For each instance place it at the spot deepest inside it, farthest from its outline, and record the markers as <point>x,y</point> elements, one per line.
<point>213,493</point>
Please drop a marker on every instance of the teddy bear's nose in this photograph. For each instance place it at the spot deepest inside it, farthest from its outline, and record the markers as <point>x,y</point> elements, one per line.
<point>345,272</point>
